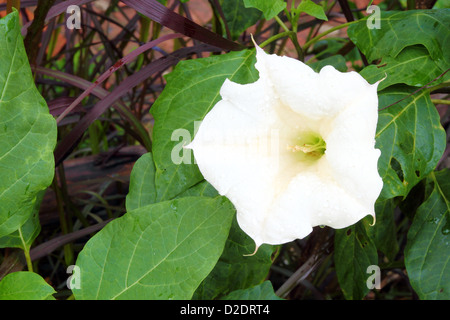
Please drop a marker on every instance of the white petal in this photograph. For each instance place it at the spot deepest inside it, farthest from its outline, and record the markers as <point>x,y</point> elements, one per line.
<point>350,149</point>
<point>304,205</point>
<point>242,149</point>
<point>347,108</point>
<point>307,92</point>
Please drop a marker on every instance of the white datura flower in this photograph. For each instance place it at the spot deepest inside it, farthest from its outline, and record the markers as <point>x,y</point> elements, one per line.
<point>293,150</point>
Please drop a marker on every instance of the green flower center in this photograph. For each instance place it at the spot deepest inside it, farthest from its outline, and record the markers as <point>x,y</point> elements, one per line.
<point>308,146</point>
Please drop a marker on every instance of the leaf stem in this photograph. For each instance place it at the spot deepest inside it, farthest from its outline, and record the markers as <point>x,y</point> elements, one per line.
<point>441,85</point>
<point>319,36</point>
<point>440,101</point>
<point>282,24</point>
<point>293,36</point>
<point>26,251</point>
<point>143,38</point>
<point>429,89</point>
<point>275,37</point>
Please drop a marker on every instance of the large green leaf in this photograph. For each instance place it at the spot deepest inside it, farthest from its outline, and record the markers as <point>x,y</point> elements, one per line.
<point>25,285</point>
<point>142,189</point>
<point>336,61</point>
<point>236,269</point>
<point>263,291</point>
<point>412,66</point>
<point>398,30</point>
<point>354,252</point>
<point>427,252</point>
<point>160,251</point>
<point>142,183</point>
<point>27,132</point>
<point>192,90</point>
<point>27,233</point>
<point>202,189</point>
<point>238,17</point>
<point>383,233</point>
<point>410,137</point>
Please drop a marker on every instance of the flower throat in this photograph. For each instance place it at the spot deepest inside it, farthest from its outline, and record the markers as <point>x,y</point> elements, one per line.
<point>308,146</point>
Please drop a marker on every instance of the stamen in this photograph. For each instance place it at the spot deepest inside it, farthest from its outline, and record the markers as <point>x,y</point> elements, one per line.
<point>307,146</point>
<point>313,149</point>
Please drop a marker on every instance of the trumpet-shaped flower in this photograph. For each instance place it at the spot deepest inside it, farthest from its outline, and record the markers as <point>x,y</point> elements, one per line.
<point>293,150</point>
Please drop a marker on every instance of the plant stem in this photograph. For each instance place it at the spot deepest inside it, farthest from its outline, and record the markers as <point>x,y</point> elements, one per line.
<point>143,38</point>
<point>440,101</point>
<point>66,198</point>
<point>294,40</point>
<point>317,38</point>
<point>33,38</point>
<point>281,23</point>
<point>28,259</point>
<point>411,4</point>
<point>275,37</point>
<point>441,85</point>
<point>444,84</point>
<point>282,46</point>
<point>293,37</point>
<point>94,138</point>
<point>312,263</point>
<point>68,255</point>
<point>26,251</point>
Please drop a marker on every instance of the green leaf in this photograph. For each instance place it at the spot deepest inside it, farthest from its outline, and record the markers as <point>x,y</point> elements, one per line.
<point>413,66</point>
<point>27,233</point>
<point>235,269</point>
<point>309,7</point>
<point>142,183</point>
<point>410,137</point>
<point>270,8</point>
<point>192,89</point>
<point>25,285</point>
<point>160,251</point>
<point>328,47</point>
<point>336,61</point>
<point>202,189</point>
<point>383,232</point>
<point>414,200</point>
<point>427,251</point>
<point>442,4</point>
<point>354,251</point>
<point>398,30</point>
<point>27,132</point>
<point>264,291</point>
<point>238,17</point>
